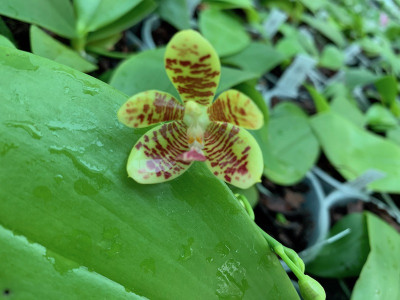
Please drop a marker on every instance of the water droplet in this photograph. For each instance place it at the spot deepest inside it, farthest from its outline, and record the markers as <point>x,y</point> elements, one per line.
<point>232,282</point>
<point>66,90</point>
<point>58,178</point>
<point>92,91</point>
<point>60,264</point>
<point>5,148</point>
<point>187,250</point>
<point>29,127</point>
<point>210,259</point>
<point>223,249</point>
<point>110,241</point>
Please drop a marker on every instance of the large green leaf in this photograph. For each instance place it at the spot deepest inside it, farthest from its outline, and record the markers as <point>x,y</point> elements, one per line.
<point>328,28</point>
<point>44,45</point>
<point>146,71</point>
<point>289,146</point>
<point>55,15</point>
<point>6,42</point>
<point>380,276</point>
<point>224,31</point>
<point>353,151</point>
<point>63,187</point>
<point>346,256</point>
<point>94,14</point>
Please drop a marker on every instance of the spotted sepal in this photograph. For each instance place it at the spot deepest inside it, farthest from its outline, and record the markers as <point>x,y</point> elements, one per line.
<point>150,107</point>
<point>232,154</point>
<point>236,108</point>
<point>193,66</point>
<point>154,157</point>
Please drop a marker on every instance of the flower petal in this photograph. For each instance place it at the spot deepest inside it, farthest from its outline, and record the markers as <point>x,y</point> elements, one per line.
<point>236,108</point>
<point>233,155</point>
<point>193,66</point>
<point>150,107</point>
<point>154,157</point>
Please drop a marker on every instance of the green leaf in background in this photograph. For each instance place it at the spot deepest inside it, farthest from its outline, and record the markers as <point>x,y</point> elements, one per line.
<point>345,108</point>
<point>346,256</point>
<point>257,58</point>
<point>55,15</point>
<point>328,28</point>
<point>295,42</point>
<point>224,31</point>
<point>145,71</point>
<point>5,42</point>
<point>94,14</point>
<point>175,12</point>
<point>64,187</point>
<point>314,5</point>
<point>353,151</point>
<point>331,58</point>
<point>379,278</point>
<point>387,87</point>
<point>289,146</point>
<point>359,77</point>
<point>380,118</point>
<point>132,17</point>
<point>321,103</point>
<point>44,45</point>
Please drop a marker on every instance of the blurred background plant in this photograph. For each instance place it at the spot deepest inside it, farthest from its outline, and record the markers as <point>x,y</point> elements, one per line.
<point>325,75</point>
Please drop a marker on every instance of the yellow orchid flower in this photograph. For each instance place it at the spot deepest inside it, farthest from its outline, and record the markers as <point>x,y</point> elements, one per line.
<point>197,130</point>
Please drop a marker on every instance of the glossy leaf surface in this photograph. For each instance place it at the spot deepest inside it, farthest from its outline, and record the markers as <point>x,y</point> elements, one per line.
<point>64,187</point>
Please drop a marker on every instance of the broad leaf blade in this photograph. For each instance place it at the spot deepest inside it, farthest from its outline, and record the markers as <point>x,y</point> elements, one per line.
<point>55,15</point>
<point>287,138</point>
<point>353,151</point>
<point>64,186</point>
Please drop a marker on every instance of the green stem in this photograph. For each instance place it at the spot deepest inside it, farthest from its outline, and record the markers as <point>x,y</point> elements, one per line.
<point>79,43</point>
<point>279,250</point>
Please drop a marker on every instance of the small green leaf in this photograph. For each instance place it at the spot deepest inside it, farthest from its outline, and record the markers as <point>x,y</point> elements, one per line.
<point>380,118</point>
<point>44,45</point>
<point>332,58</point>
<point>353,151</point>
<point>287,138</point>
<point>257,58</point>
<point>55,15</point>
<point>379,278</point>
<point>175,12</point>
<point>319,100</point>
<point>224,31</point>
<point>349,110</point>
<point>346,256</point>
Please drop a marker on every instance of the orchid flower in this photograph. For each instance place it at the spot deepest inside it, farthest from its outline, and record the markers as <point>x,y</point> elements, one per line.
<point>197,130</point>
